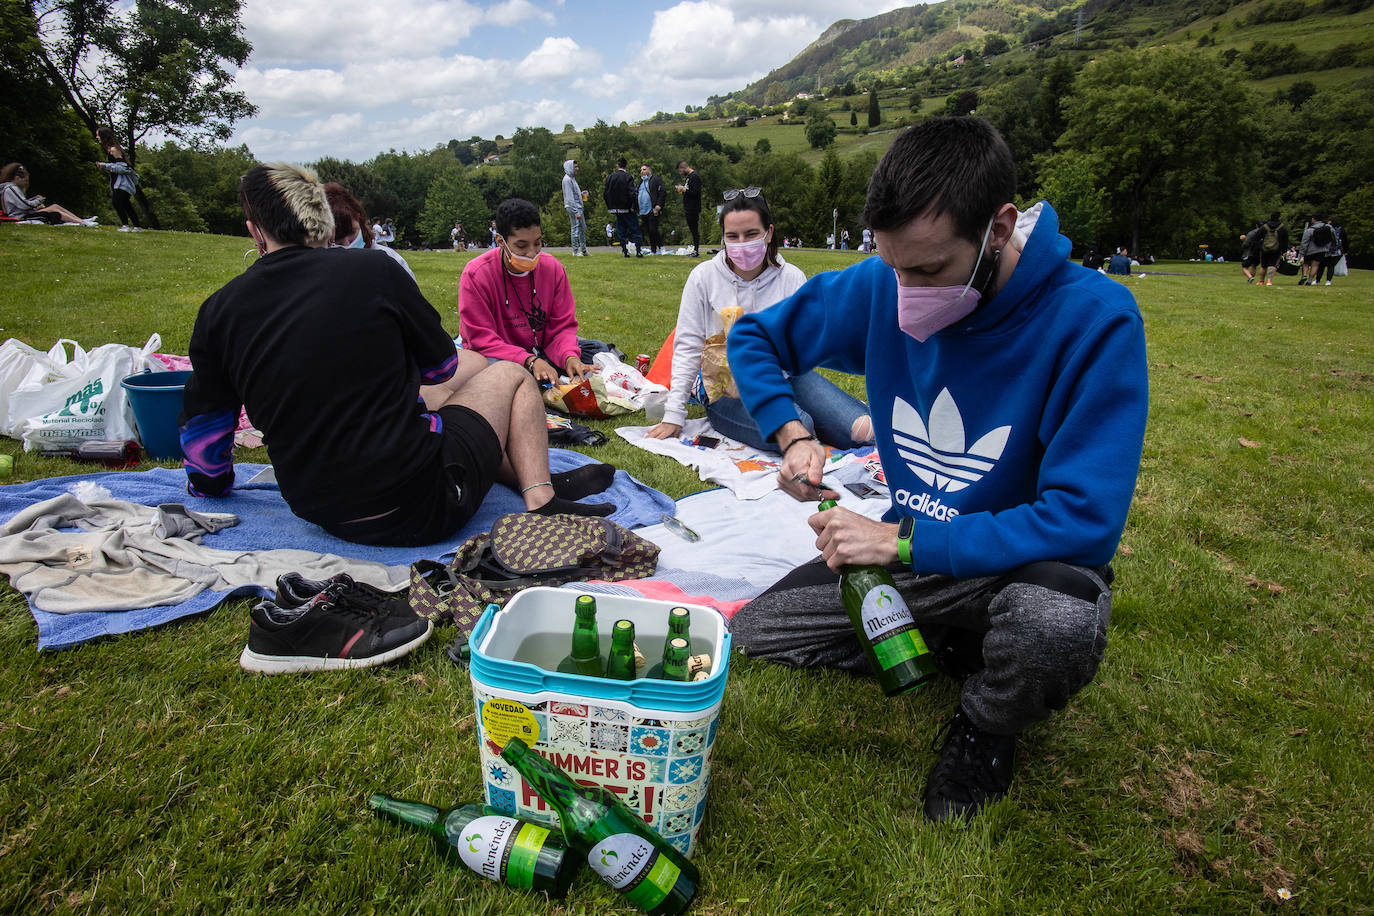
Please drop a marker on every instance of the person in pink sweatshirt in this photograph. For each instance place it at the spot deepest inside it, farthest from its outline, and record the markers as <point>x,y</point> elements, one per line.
<point>517,306</point>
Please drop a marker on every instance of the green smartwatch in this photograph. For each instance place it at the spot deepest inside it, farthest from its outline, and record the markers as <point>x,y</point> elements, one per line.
<point>904,532</point>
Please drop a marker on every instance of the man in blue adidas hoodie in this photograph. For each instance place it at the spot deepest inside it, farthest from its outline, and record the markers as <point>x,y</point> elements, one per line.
<point>1008,393</point>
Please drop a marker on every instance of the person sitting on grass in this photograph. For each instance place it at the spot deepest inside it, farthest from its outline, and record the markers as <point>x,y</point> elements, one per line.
<point>1009,394</point>
<point>380,431</point>
<point>517,306</point>
<point>351,228</point>
<point>747,277</point>
<point>16,204</point>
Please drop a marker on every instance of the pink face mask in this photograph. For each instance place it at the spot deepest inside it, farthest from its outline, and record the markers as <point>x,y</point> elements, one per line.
<point>924,310</point>
<point>747,256</point>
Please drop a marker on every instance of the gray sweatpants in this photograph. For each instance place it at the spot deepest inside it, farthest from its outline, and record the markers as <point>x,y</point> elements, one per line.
<point>1042,628</point>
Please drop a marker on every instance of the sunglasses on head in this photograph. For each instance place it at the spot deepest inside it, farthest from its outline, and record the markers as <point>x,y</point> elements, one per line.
<point>747,192</point>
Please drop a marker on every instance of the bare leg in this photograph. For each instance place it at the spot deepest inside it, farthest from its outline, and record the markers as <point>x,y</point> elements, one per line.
<point>67,215</point>
<point>507,398</point>
<point>469,364</point>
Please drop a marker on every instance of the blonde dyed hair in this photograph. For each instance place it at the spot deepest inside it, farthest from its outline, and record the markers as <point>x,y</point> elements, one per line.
<point>288,202</point>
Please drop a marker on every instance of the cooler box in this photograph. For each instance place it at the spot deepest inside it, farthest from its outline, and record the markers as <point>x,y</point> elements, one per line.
<point>647,740</point>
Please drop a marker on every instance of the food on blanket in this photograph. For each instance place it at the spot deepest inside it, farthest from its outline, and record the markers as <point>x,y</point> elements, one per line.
<point>620,664</point>
<point>500,848</point>
<point>898,653</point>
<point>627,853</point>
<point>679,626</point>
<point>121,453</point>
<point>585,657</point>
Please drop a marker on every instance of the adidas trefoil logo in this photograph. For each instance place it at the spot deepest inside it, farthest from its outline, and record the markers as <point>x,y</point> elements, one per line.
<point>935,451</point>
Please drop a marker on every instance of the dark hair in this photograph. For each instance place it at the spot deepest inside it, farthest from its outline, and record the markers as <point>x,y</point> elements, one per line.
<point>1274,217</point>
<point>760,206</point>
<point>682,163</point>
<point>621,163</point>
<point>288,203</point>
<point>514,213</point>
<point>12,171</point>
<point>107,137</point>
<point>959,166</point>
<point>347,209</point>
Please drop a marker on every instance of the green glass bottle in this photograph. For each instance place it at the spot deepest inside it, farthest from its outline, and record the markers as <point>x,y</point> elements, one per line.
<point>627,853</point>
<point>899,655</point>
<point>620,664</point>
<point>679,624</point>
<point>674,667</point>
<point>585,657</point>
<point>496,846</point>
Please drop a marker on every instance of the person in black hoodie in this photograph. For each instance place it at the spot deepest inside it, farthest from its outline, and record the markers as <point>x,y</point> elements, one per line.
<point>690,189</point>
<point>620,197</point>
<point>653,195</point>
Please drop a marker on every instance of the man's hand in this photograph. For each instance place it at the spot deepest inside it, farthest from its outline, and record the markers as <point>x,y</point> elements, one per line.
<point>802,464</point>
<point>577,370</point>
<point>664,431</point>
<point>847,538</point>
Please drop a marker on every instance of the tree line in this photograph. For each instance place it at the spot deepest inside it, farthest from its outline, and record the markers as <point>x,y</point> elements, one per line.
<point>1160,149</point>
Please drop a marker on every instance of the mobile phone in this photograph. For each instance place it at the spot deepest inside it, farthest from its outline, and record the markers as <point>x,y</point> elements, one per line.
<point>706,441</point>
<point>864,491</point>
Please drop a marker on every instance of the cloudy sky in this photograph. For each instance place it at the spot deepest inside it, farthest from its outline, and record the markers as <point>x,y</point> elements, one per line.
<point>352,78</point>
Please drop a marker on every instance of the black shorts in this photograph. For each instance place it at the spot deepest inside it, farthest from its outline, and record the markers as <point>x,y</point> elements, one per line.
<point>1249,262</point>
<point>446,494</point>
<point>1269,258</point>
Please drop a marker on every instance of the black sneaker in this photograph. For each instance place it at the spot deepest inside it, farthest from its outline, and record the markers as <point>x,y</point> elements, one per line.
<point>294,590</point>
<point>331,632</point>
<point>974,768</point>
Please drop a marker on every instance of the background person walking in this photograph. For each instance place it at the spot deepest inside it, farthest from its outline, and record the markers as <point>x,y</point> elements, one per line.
<point>574,201</point>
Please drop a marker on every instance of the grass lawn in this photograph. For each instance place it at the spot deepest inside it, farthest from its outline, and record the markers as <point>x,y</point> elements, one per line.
<point>1223,753</point>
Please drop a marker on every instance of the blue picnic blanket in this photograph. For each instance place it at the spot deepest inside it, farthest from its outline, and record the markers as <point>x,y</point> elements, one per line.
<point>266,523</point>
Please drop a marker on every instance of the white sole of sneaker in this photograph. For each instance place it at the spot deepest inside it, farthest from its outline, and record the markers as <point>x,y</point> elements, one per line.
<point>300,664</point>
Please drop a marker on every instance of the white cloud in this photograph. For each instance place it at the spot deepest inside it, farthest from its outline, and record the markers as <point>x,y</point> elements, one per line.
<point>556,58</point>
<point>516,12</point>
<point>345,30</point>
<point>350,78</point>
<point>704,38</point>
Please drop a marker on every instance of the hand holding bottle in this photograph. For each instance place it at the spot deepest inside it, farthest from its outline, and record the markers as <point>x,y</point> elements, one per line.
<point>846,538</point>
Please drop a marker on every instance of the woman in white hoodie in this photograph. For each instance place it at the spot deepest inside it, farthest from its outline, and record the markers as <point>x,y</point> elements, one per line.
<point>748,276</point>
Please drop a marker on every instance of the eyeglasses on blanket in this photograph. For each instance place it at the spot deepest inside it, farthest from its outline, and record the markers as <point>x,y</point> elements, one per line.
<point>747,192</point>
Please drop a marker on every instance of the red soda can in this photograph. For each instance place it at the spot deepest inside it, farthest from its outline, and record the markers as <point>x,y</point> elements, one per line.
<point>642,363</point>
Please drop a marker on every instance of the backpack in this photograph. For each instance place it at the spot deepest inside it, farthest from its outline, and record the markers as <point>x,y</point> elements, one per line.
<point>1271,238</point>
<point>1321,236</point>
<point>522,550</point>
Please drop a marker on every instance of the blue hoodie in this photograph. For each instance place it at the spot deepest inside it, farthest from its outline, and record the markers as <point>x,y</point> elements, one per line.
<point>1012,436</point>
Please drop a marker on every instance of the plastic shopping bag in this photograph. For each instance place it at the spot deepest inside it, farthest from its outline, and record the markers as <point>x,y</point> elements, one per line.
<point>80,397</point>
<point>625,381</point>
<point>21,366</point>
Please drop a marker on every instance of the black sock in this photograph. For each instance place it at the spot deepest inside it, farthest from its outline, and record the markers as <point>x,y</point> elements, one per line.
<point>560,506</point>
<point>582,481</point>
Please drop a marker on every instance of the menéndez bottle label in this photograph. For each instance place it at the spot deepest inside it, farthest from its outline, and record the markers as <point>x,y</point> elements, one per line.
<point>630,864</point>
<point>890,628</point>
<point>502,849</point>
